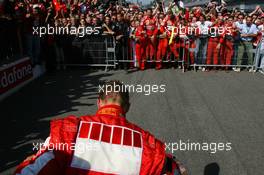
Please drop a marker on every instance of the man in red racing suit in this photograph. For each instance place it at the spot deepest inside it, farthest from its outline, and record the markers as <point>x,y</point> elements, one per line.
<point>149,22</point>
<point>104,143</point>
<point>140,36</point>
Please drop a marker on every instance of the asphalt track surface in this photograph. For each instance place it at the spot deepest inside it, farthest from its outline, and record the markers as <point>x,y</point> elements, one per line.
<point>196,107</point>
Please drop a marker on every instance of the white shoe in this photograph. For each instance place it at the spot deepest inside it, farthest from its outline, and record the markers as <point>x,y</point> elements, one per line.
<point>252,70</point>
<point>200,68</point>
<point>234,68</point>
<point>203,69</point>
<point>237,70</point>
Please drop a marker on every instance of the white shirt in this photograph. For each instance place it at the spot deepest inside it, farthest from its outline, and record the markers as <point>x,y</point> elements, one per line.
<point>248,30</point>
<point>239,25</point>
<point>204,28</point>
<point>261,29</point>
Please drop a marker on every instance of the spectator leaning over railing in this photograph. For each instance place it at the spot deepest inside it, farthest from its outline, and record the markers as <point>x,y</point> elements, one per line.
<point>239,21</point>
<point>248,31</point>
<point>108,27</point>
<point>202,43</point>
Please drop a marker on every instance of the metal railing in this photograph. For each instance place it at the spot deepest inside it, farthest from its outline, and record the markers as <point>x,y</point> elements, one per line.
<point>102,51</point>
<point>253,53</point>
<point>97,50</point>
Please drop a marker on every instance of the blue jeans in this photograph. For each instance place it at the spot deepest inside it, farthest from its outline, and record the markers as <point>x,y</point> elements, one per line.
<point>202,50</point>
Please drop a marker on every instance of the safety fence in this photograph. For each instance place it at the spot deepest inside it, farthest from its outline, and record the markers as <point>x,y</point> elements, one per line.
<point>198,53</point>
<point>230,54</point>
<point>95,51</point>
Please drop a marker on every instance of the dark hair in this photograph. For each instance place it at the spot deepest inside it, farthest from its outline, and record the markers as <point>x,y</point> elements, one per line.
<point>241,14</point>
<point>249,17</point>
<point>203,16</point>
<point>116,91</point>
<point>120,14</point>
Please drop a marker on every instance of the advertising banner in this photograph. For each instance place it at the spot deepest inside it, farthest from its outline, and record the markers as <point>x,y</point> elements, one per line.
<point>15,74</point>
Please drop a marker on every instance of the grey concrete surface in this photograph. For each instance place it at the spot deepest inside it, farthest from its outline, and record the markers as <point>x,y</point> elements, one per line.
<point>214,107</point>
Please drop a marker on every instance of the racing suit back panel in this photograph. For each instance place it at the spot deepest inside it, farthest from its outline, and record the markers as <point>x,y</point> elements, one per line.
<point>105,143</point>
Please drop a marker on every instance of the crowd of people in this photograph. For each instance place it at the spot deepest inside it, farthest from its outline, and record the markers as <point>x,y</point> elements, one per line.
<point>211,37</point>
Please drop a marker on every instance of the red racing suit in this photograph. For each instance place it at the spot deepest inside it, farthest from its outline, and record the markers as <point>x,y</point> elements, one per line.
<point>227,45</point>
<point>140,47</point>
<point>162,45</point>
<point>174,46</point>
<point>105,143</point>
<point>212,52</point>
<point>151,30</point>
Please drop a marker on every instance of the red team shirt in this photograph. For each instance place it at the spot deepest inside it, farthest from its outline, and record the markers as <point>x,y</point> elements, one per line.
<point>150,25</point>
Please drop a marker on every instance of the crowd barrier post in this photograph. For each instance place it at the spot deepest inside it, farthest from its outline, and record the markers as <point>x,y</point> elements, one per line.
<point>110,50</point>
<point>183,54</point>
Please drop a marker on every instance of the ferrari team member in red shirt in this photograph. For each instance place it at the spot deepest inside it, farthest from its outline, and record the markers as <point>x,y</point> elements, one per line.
<point>162,41</point>
<point>105,144</point>
<point>213,41</point>
<point>140,39</point>
<point>149,22</point>
<point>172,33</point>
<point>227,43</point>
